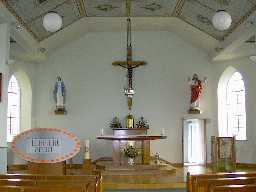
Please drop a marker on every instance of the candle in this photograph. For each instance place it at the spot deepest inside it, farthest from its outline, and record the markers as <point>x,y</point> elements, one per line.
<point>87,143</point>
<point>102,132</point>
<point>163,132</point>
<point>87,149</point>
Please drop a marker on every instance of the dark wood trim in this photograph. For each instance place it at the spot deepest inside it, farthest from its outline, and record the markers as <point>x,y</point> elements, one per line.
<point>74,166</point>
<point>245,165</point>
<point>17,167</point>
<point>132,137</point>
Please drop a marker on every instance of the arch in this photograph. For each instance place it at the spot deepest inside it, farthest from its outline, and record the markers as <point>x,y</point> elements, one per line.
<point>13,110</point>
<point>225,119</point>
<point>26,99</point>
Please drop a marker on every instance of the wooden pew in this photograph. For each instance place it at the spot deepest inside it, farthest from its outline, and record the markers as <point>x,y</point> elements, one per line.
<point>90,183</point>
<point>41,189</point>
<point>10,189</point>
<point>41,177</point>
<point>206,184</point>
<point>203,182</point>
<point>234,188</point>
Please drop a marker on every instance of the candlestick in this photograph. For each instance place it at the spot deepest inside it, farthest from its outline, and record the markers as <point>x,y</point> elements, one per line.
<point>87,149</point>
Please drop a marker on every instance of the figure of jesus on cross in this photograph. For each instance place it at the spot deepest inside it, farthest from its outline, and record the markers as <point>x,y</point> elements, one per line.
<point>129,64</point>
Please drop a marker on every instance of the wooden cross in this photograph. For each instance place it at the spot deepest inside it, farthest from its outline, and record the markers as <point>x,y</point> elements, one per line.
<point>129,64</point>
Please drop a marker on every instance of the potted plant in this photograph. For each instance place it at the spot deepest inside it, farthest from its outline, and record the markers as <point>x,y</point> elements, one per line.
<point>130,152</point>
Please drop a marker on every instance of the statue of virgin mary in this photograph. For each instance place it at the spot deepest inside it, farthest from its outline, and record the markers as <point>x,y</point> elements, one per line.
<point>59,94</point>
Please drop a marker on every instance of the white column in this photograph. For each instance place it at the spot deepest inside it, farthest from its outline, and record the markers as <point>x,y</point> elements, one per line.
<point>4,69</point>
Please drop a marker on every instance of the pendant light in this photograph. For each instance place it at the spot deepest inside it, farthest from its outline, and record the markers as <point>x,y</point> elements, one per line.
<point>52,22</point>
<point>222,19</point>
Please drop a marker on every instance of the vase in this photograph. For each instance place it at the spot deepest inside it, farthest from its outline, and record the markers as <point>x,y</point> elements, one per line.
<point>130,161</point>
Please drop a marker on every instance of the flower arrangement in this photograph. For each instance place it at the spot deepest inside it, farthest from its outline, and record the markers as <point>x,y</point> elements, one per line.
<point>142,123</point>
<point>130,151</point>
<point>115,123</point>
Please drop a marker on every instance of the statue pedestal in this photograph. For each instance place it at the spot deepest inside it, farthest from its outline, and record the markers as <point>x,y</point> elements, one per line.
<point>194,111</point>
<point>60,111</point>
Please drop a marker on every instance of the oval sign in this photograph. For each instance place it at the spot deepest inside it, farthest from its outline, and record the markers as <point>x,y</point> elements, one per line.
<point>46,145</point>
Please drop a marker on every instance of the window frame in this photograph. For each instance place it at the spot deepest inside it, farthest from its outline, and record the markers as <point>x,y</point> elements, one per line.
<point>17,109</point>
<point>232,116</point>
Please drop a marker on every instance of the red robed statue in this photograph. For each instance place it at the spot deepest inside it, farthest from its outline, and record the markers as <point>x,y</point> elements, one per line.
<point>196,86</point>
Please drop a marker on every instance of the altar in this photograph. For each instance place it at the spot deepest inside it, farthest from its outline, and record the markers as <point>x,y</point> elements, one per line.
<point>136,137</point>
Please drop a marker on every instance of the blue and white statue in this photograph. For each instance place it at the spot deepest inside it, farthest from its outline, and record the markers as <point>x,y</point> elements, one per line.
<point>59,94</point>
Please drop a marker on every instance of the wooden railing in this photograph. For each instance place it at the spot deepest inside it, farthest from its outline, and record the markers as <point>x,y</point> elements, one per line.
<point>210,182</point>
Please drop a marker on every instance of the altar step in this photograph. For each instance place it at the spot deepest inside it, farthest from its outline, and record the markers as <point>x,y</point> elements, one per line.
<point>138,169</point>
<point>136,172</point>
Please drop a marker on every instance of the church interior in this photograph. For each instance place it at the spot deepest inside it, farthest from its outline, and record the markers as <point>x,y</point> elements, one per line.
<point>127,95</point>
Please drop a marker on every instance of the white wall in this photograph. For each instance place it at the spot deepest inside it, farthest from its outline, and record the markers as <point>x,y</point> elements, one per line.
<point>4,69</point>
<point>26,76</point>
<point>245,149</point>
<point>94,87</point>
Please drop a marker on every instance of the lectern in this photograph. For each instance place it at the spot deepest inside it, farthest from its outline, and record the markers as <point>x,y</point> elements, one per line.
<point>223,154</point>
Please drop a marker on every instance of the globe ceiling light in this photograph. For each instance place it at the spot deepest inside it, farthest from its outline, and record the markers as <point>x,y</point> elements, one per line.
<point>221,20</point>
<point>52,22</point>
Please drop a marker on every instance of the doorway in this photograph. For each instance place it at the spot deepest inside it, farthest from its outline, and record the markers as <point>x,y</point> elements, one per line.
<point>194,144</point>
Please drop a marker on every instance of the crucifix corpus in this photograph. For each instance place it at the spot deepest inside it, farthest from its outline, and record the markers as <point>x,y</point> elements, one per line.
<point>129,64</point>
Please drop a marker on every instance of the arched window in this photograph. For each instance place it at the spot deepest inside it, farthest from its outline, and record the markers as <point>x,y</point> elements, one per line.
<point>13,111</point>
<point>236,115</point>
<point>232,112</point>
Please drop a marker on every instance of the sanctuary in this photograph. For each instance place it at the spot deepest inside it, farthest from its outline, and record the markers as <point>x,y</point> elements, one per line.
<point>127,95</point>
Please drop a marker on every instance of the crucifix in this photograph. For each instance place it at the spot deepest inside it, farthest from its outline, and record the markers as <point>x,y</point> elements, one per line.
<point>129,64</point>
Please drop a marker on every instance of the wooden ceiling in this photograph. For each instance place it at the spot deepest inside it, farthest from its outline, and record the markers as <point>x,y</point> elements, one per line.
<point>197,13</point>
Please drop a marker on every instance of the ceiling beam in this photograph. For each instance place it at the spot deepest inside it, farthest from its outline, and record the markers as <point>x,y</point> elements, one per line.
<point>241,21</point>
<point>178,8</point>
<point>81,7</point>
<point>19,33</point>
<point>244,51</point>
<point>234,42</point>
<point>19,19</point>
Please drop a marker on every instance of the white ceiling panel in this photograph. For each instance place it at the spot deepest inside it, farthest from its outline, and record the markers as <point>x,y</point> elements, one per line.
<point>69,13</point>
<point>31,9</point>
<point>105,8</point>
<point>162,8</point>
<point>200,16</point>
